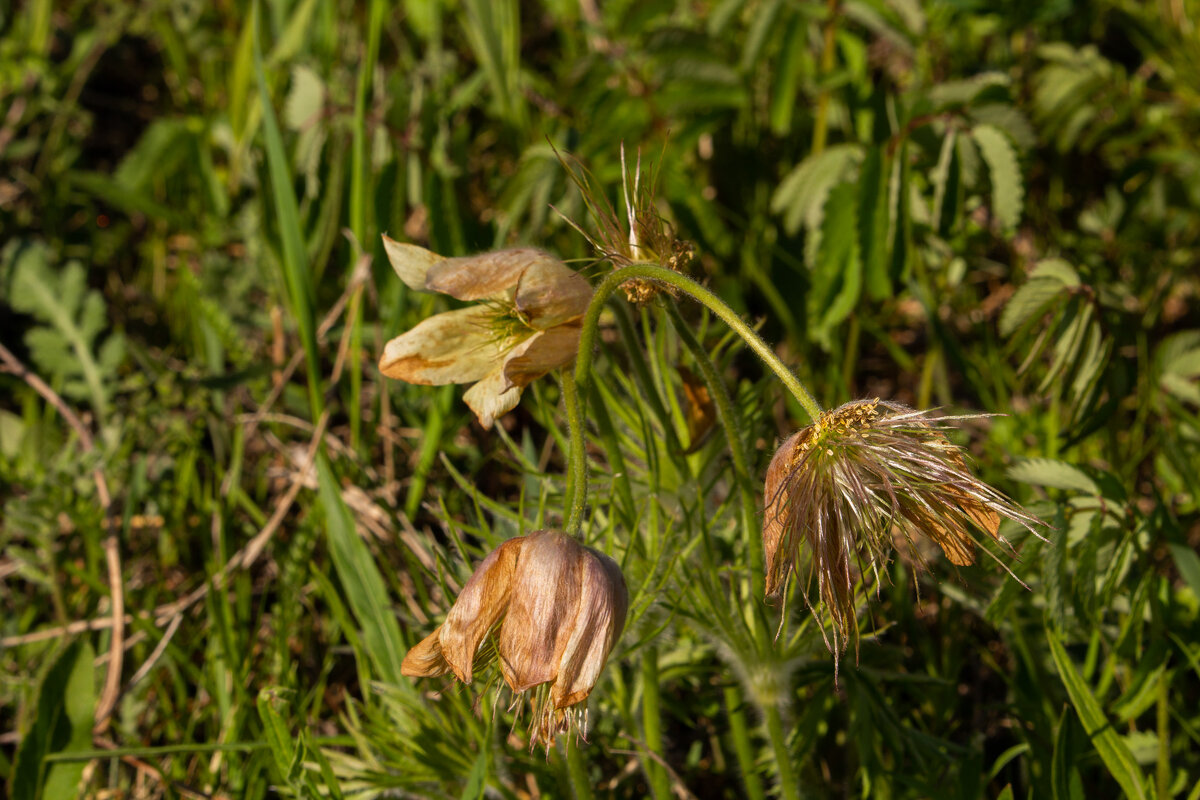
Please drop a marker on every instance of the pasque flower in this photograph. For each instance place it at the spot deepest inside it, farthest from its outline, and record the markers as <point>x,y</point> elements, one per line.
<point>526,324</point>
<point>548,610</point>
<point>838,490</point>
<point>643,236</point>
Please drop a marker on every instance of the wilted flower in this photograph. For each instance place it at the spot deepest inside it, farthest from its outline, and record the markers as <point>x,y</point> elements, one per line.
<point>842,486</point>
<point>549,609</point>
<point>527,323</point>
<point>642,237</point>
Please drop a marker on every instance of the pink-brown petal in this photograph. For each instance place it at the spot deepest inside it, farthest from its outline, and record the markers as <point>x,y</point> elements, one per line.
<point>550,293</point>
<point>479,606</point>
<point>410,262</point>
<point>776,500</point>
<point>603,603</point>
<point>425,660</point>
<point>452,347</point>
<point>485,275</point>
<point>544,351</point>
<point>542,611</point>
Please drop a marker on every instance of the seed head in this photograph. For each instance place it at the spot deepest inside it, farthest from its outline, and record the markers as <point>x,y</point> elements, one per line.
<point>838,490</point>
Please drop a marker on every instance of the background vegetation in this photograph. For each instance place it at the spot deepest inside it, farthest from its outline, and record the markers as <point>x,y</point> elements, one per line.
<point>981,206</point>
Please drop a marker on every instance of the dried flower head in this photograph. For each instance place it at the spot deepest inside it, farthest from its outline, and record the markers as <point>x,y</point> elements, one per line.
<point>549,610</point>
<point>643,236</point>
<point>526,323</point>
<point>838,489</point>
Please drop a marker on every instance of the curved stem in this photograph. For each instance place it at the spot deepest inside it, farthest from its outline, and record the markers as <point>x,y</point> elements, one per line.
<point>576,457</point>
<point>577,460</point>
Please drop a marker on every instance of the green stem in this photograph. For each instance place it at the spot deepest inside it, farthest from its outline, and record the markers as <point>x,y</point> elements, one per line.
<point>742,748</point>
<point>577,461</point>
<point>576,456</point>
<point>821,124</point>
<point>788,789</point>
<point>581,788</point>
<point>660,785</point>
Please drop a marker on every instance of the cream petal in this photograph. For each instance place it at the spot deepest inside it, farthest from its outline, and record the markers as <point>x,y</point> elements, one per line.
<point>425,660</point>
<point>411,262</point>
<point>541,353</point>
<point>550,293</point>
<point>603,603</point>
<point>479,606</point>
<point>492,397</point>
<point>542,610</point>
<point>485,274</point>
<point>451,347</point>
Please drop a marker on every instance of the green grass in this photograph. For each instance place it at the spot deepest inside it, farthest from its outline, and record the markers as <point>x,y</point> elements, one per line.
<point>952,206</point>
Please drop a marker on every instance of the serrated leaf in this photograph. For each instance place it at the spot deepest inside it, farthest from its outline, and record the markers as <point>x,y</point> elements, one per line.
<point>1005,172</point>
<point>1112,749</point>
<point>74,317</point>
<point>962,92</point>
<point>801,194</point>
<point>1028,301</point>
<point>1056,269</point>
<point>1054,475</point>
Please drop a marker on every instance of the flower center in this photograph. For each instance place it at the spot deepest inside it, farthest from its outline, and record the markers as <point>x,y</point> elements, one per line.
<point>840,423</point>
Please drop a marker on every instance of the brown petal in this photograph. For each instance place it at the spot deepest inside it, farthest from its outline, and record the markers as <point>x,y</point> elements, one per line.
<point>411,263</point>
<point>425,660</point>
<point>479,605</point>
<point>550,293</point>
<point>492,397</point>
<point>451,347</point>
<point>540,353</point>
<point>777,510</point>
<point>542,612</point>
<point>484,275</point>
<point>603,603</point>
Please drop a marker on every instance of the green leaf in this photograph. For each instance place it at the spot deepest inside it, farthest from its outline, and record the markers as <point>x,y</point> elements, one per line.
<point>801,195</point>
<point>477,780</point>
<point>947,185</point>
<point>360,579</point>
<point>787,76</point>
<point>873,221</point>
<point>63,724</point>
<point>1188,564</point>
<point>1053,474</point>
<point>1064,774</point>
<point>66,349</point>
<point>1111,747</point>
<point>837,271</point>
<point>1007,186</point>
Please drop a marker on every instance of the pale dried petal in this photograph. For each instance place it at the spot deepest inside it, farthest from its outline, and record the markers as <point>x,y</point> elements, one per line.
<point>425,660</point>
<point>542,611</point>
<point>550,293</point>
<point>485,275</point>
<point>541,353</point>
<point>479,606</point>
<point>603,603</point>
<point>451,347</point>
<point>411,262</point>
<point>492,397</point>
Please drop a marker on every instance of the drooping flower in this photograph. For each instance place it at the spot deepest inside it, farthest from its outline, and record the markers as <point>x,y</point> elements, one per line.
<point>643,236</point>
<point>526,324</point>
<point>837,491</point>
<point>549,610</point>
